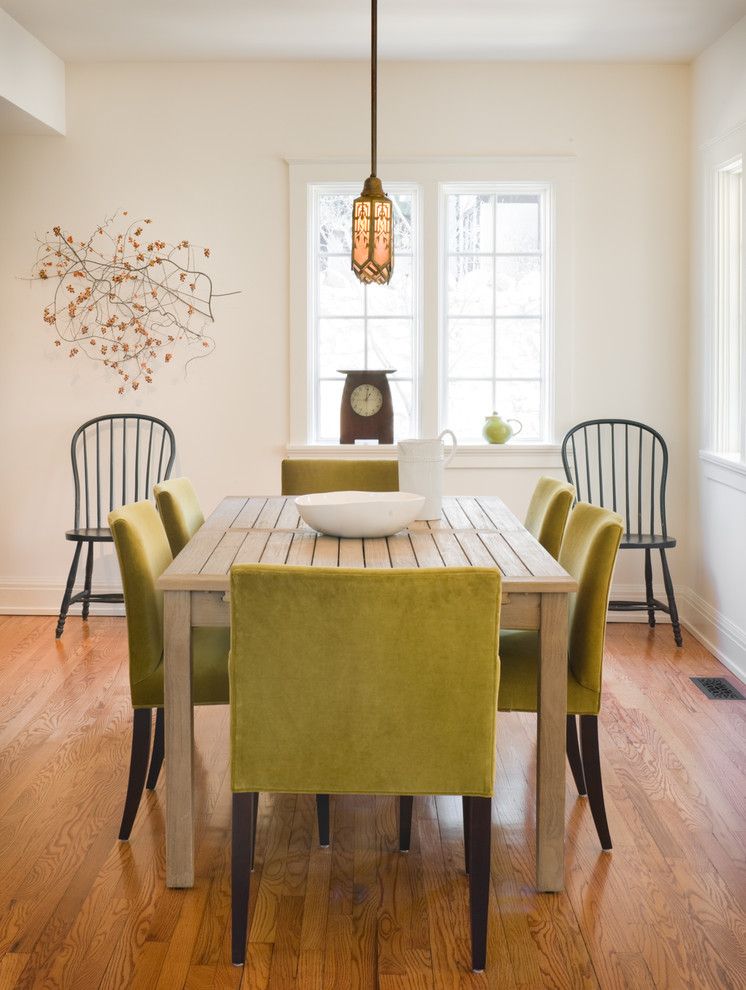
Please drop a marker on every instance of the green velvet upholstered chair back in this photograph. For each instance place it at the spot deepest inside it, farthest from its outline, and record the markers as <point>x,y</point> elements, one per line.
<point>144,554</point>
<point>355,681</point>
<point>304,476</point>
<point>180,511</point>
<point>548,511</point>
<point>588,552</point>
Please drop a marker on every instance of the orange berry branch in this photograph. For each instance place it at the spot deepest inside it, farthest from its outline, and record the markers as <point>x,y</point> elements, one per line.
<point>125,298</point>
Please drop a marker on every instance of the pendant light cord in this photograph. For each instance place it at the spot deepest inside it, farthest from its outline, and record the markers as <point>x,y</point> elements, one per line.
<point>373,82</point>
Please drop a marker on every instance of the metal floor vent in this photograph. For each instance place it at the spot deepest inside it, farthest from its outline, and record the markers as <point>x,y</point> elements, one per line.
<point>718,688</point>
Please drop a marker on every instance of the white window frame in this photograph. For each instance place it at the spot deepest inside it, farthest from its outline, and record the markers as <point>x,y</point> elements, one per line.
<point>352,188</point>
<point>729,435</point>
<point>556,173</point>
<point>719,161</point>
<point>547,253</point>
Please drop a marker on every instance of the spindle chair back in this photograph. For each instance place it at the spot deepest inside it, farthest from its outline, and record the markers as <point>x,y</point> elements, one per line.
<point>116,460</point>
<point>622,464</point>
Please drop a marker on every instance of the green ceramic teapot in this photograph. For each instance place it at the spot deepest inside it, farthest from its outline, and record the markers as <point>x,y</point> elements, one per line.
<point>498,430</point>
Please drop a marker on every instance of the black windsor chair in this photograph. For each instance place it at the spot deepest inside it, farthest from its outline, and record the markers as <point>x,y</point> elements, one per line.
<point>112,456</point>
<point>623,465</point>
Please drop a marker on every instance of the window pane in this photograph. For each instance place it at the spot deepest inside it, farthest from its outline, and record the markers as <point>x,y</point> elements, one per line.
<point>470,348</point>
<point>522,401</point>
<point>339,291</point>
<point>335,223</point>
<point>518,348</point>
<point>359,326</point>
<point>401,396</point>
<point>396,298</point>
<point>518,286</point>
<point>390,346</point>
<point>470,289</point>
<point>330,397</point>
<point>468,404</point>
<point>728,387</point>
<point>518,219</point>
<point>470,223</point>
<point>403,221</point>
<point>341,345</point>
<point>495,321</point>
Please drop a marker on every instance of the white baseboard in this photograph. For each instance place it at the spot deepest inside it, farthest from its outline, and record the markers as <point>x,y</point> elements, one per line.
<point>715,631</point>
<point>45,597</point>
<point>636,592</point>
<point>720,635</point>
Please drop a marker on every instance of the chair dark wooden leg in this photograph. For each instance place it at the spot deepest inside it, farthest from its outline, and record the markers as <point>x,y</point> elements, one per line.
<point>68,591</point>
<point>156,757</point>
<point>592,768</point>
<point>242,842</point>
<point>88,580</point>
<point>142,720</point>
<point>405,822</point>
<point>479,877</point>
<point>466,807</point>
<point>255,815</point>
<point>322,814</point>
<point>649,597</point>
<point>671,599</point>
<point>573,755</point>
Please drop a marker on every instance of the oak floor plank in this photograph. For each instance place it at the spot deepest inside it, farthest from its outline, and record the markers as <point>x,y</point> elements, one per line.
<point>12,965</point>
<point>274,863</point>
<point>664,910</point>
<point>366,893</point>
<point>54,842</point>
<point>394,909</point>
<point>287,942</point>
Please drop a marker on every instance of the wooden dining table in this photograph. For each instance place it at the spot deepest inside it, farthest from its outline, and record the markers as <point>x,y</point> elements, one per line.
<point>478,531</point>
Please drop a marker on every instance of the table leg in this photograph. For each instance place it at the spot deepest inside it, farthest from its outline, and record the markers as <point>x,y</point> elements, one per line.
<point>550,765</point>
<point>177,659</point>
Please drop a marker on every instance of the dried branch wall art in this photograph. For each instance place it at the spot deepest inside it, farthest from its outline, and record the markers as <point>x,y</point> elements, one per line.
<point>126,298</point>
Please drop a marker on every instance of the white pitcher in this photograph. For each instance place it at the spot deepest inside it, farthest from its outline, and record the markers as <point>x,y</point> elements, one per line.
<point>421,464</point>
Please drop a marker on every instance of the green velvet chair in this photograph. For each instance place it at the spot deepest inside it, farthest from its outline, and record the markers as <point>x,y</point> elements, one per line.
<point>305,476</point>
<point>548,511</point>
<point>373,682</point>
<point>144,553</point>
<point>588,552</point>
<point>180,511</point>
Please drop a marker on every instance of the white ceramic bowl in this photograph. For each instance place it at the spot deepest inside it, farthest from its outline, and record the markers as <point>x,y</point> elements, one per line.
<point>356,514</point>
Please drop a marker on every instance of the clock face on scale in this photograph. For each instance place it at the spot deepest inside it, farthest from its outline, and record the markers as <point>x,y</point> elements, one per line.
<point>367,412</point>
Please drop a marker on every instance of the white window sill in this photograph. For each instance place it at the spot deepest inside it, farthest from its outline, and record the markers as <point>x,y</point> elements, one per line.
<point>730,463</point>
<point>529,456</point>
<point>724,470</point>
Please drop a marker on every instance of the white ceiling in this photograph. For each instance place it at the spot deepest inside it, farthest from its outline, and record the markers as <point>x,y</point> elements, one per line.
<point>585,30</point>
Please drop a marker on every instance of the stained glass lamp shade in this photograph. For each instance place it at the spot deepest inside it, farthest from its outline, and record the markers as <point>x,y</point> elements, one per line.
<point>373,234</point>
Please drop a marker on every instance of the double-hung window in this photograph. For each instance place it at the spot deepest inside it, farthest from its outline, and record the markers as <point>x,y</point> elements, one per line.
<point>496,307</point>
<point>474,313</point>
<point>354,326</point>
<point>728,357</point>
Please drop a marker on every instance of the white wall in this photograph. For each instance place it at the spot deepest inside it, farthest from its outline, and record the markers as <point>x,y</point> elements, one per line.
<point>718,492</point>
<point>32,83</point>
<point>201,148</point>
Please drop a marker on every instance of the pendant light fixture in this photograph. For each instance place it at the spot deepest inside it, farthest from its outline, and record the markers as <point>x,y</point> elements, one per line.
<point>372,211</point>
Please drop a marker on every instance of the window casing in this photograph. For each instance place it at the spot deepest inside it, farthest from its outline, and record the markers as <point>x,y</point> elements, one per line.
<point>541,359</point>
<point>729,395</point>
<point>362,326</point>
<point>496,306</point>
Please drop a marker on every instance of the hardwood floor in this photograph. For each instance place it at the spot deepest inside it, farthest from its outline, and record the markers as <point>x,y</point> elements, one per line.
<point>78,908</point>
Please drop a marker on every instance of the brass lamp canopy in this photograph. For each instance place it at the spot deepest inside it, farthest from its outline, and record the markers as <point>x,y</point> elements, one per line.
<point>373,234</point>
<point>372,211</point>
